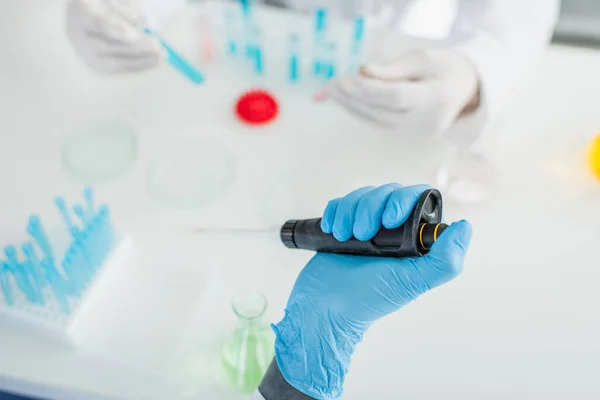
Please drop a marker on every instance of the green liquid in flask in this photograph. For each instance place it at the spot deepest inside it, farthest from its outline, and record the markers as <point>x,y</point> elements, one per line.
<point>248,351</point>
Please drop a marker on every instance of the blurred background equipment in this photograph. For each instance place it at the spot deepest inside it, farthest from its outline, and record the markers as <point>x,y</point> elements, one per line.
<point>579,23</point>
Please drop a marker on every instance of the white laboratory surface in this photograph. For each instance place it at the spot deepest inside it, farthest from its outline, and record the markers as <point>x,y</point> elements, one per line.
<point>521,322</point>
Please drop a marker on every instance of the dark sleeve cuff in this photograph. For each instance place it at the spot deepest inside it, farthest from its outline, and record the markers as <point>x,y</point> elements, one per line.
<point>275,387</point>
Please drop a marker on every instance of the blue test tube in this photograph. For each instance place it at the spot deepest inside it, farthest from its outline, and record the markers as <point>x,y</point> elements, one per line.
<point>254,50</point>
<point>246,9</point>
<point>359,34</point>
<point>177,61</point>
<point>294,43</point>
<point>259,65</point>
<point>320,30</point>
<point>329,67</point>
<point>232,33</point>
<point>320,24</point>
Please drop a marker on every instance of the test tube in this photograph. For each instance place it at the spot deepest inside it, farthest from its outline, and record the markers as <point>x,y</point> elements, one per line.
<point>254,50</point>
<point>359,33</point>
<point>320,24</point>
<point>294,43</point>
<point>231,27</point>
<point>320,30</point>
<point>329,67</point>
<point>247,10</point>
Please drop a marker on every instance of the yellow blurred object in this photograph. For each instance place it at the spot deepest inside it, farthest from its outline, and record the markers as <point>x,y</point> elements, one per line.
<point>594,156</point>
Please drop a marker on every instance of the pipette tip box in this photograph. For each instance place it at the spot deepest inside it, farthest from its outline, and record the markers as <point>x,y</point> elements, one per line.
<point>45,282</point>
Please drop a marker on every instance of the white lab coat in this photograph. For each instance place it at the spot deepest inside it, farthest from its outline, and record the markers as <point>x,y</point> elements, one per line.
<point>502,38</point>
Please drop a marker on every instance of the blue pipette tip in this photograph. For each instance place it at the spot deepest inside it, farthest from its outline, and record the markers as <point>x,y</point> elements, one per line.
<point>28,249</point>
<point>79,211</point>
<point>177,61</point>
<point>59,201</point>
<point>11,253</point>
<point>34,221</point>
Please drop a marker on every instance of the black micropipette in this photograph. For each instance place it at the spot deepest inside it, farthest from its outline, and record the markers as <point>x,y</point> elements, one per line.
<point>412,239</point>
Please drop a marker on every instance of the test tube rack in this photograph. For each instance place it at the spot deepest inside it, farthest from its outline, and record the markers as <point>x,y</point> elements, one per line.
<point>44,288</point>
<point>244,38</point>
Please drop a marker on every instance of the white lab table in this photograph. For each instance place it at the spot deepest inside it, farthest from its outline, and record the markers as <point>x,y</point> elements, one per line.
<point>521,322</point>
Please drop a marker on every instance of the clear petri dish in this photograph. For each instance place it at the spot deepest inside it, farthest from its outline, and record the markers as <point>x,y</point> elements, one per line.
<point>101,151</point>
<point>190,172</point>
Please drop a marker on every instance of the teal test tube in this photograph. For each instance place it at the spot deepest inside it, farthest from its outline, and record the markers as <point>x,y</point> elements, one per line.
<point>254,50</point>
<point>359,34</point>
<point>329,67</point>
<point>231,34</point>
<point>320,31</point>
<point>259,62</point>
<point>294,43</point>
<point>246,10</point>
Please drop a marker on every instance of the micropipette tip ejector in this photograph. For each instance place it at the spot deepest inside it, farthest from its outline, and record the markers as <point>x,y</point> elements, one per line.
<point>412,239</point>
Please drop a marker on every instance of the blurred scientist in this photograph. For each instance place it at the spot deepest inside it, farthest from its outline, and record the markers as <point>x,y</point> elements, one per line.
<point>489,45</point>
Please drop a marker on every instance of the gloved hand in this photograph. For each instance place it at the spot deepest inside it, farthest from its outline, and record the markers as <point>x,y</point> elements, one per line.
<point>107,35</point>
<point>336,298</point>
<point>422,92</point>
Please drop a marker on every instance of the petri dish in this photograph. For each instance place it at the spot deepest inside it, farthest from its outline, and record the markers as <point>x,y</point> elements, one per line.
<point>101,151</point>
<point>190,172</point>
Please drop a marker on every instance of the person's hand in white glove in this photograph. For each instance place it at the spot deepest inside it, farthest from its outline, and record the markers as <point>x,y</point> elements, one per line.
<point>422,92</point>
<point>107,35</point>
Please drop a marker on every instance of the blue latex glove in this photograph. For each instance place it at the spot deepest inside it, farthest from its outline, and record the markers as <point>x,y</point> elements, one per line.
<point>336,298</point>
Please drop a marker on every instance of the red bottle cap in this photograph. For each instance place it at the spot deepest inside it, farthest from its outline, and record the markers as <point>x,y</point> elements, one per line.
<point>257,107</point>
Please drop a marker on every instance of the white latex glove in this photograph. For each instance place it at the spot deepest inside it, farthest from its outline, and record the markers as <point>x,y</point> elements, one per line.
<point>421,92</point>
<point>107,35</point>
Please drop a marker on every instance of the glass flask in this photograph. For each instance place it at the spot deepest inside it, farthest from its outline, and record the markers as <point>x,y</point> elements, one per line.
<point>249,349</point>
